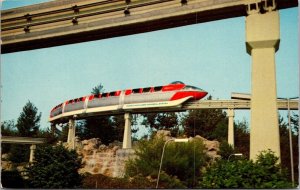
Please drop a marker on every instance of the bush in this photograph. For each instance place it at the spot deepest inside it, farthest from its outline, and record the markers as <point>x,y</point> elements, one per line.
<point>264,173</point>
<point>54,167</point>
<point>181,164</point>
<point>104,182</point>
<point>12,179</point>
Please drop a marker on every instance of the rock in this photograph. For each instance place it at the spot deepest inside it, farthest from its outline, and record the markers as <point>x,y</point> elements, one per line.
<point>6,165</point>
<point>165,134</point>
<point>4,157</point>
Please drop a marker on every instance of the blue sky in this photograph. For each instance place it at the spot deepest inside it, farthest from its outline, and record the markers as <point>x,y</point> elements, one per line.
<point>210,55</point>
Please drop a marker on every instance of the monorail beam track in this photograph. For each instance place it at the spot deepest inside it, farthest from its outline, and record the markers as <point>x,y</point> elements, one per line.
<point>66,22</point>
<point>190,105</point>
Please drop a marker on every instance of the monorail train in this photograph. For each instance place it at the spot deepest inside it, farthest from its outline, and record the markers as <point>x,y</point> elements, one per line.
<point>171,95</point>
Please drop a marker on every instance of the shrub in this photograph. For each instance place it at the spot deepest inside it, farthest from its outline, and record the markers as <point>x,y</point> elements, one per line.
<point>264,173</point>
<point>54,167</point>
<point>104,182</point>
<point>12,179</point>
<point>181,164</point>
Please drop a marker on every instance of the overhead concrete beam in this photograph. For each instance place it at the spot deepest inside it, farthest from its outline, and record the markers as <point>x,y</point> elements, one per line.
<point>22,140</point>
<point>67,22</point>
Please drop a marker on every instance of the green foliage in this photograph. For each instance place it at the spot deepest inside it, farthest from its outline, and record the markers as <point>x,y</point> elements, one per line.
<point>181,164</point>
<point>242,138</point>
<point>225,150</point>
<point>285,148</point>
<point>54,167</point>
<point>12,179</point>
<point>264,173</point>
<point>98,89</point>
<point>161,121</point>
<point>100,181</point>
<point>208,123</point>
<point>28,121</point>
<point>8,128</point>
<point>19,153</point>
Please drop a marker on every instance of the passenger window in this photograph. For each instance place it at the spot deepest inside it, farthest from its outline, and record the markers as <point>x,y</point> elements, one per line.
<point>105,95</point>
<point>135,91</point>
<point>112,93</point>
<point>147,89</point>
<point>157,88</point>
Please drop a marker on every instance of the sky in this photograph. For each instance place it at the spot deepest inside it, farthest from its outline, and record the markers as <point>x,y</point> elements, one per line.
<point>209,55</point>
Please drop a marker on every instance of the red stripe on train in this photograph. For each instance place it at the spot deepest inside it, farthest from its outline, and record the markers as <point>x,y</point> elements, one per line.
<point>196,95</point>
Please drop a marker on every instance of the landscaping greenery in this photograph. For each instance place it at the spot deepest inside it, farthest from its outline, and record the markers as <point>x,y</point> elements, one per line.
<point>54,167</point>
<point>181,166</point>
<point>265,172</point>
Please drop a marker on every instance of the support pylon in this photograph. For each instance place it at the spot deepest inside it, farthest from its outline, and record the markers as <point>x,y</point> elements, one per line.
<point>230,114</point>
<point>262,41</point>
<point>71,134</point>
<point>127,131</point>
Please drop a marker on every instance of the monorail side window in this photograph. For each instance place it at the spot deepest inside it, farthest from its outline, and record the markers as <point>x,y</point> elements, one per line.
<point>135,91</point>
<point>105,94</point>
<point>112,93</point>
<point>147,89</point>
<point>157,88</point>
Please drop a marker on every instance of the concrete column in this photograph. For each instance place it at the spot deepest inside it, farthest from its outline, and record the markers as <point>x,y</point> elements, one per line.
<point>32,149</point>
<point>230,114</point>
<point>127,131</point>
<point>262,40</point>
<point>71,134</point>
<point>53,128</point>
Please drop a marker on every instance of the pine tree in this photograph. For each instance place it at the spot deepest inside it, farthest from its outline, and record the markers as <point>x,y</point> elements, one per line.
<point>54,167</point>
<point>28,121</point>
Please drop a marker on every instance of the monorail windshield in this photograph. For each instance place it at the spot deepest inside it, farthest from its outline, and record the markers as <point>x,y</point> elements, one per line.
<point>177,82</point>
<point>188,87</point>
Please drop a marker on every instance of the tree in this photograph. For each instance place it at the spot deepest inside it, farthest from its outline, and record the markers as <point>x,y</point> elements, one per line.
<point>98,89</point>
<point>243,173</point>
<point>28,121</point>
<point>285,145</point>
<point>8,128</point>
<point>161,121</point>
<point>54,167</point>
<point>181,164</point>
<point>208,123</point>
<point>242,138</point>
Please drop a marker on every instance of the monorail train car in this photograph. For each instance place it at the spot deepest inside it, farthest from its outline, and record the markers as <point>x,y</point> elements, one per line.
<point>171,95</point>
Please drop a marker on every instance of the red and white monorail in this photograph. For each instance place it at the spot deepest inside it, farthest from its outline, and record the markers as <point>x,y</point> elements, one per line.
<point>171,95</point>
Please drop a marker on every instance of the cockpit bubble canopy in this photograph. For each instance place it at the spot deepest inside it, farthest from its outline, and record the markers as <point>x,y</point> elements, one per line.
<point>177,82</point>
<point>188,87</point>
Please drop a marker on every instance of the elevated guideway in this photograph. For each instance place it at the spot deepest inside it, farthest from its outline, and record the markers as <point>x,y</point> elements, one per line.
<point>230,105</point>
<point>63,22</point>
<point>24,140</point>
<point>189,105</point>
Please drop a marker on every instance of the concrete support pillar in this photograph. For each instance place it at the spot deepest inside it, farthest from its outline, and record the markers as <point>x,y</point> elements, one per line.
<point>53,128</point>
<point>127,131</point>
<point>31,156</point>
<point>230,114</point>
<point>71,134</point>
<point>262,41</point>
